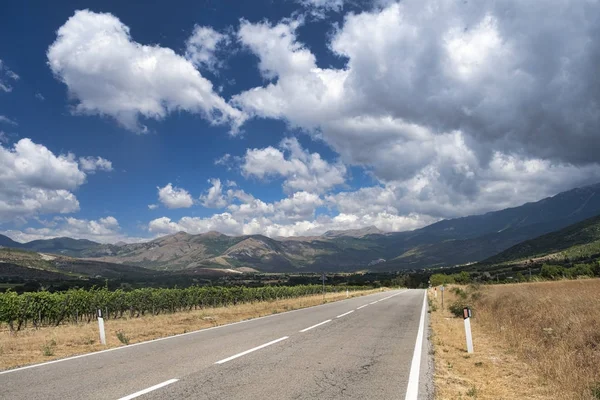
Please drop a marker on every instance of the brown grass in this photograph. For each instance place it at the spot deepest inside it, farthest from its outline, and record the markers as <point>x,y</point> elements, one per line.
<point>534,340</point>
<point>554,327</point>
<point>493,371</point>
<point>37,345</point>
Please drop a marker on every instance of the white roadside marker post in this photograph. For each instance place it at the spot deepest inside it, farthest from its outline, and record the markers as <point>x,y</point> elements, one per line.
<point>323,278</point>
<point>101,327</point>
<point>347,293</point>
<point>467,318</point>
<point>435,292</point>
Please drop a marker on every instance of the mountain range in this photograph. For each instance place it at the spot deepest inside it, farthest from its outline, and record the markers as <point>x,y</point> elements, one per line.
<point>577,241</point>
<point>448,242</point>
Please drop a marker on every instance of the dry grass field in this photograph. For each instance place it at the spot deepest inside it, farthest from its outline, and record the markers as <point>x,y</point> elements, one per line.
<point>37,345</point>
<point>532,341</point>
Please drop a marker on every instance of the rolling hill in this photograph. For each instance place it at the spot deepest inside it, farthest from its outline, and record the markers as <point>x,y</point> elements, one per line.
<point>63,245</point>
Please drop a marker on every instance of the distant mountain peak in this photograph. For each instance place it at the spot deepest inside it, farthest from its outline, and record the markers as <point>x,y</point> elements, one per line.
<point>357,233</point>
<point>213,234</point>
<point>180,234</point>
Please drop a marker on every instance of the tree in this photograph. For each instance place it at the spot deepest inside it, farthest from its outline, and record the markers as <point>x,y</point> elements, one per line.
<point>463,278</point>
<point>441,279</point>
<point>551,271</point>
<point>581,270</point>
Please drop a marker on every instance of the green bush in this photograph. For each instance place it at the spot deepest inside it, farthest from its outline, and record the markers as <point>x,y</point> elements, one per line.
<point>441,279</point>
<point>457,307</point>
<point>122,337</point>
<point>581,270</point>
<point>552,271</point>
<point>463,277</point>
<point>459,292</point>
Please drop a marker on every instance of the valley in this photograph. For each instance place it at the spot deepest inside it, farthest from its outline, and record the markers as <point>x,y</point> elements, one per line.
<point>443,244</point>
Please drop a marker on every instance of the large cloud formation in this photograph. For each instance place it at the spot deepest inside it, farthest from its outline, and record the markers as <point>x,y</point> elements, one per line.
<point>108,73</point>
<point>34,181</point>
<point>455,107</point>
<point>516,75</point>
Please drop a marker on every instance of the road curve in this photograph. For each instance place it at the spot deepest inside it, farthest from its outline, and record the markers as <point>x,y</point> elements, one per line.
<point>361,348</point>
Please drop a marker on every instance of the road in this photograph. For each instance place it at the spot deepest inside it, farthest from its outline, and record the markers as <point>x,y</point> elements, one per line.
<point>361,348</point>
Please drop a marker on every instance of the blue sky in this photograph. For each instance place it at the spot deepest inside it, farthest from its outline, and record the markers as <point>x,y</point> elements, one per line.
<point>125,121</point>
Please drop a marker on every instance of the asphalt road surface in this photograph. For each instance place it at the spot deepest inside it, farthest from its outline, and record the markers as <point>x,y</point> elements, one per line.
<point>371,347</point>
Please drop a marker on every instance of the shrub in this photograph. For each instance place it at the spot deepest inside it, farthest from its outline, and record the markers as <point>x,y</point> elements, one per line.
<point>441,279</point>
<point>457,307</point>
<point>463,277</point>
<point>581,270</point>
<point>122,337</point>
<point>48,348</point>
<point>551,271</point>
<point>459,292</point>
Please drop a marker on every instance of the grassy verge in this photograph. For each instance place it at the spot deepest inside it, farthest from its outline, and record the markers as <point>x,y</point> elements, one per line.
<point>49,343</point>
<point>555,327</point>
<point>493,371</point>
<point>532,340</point>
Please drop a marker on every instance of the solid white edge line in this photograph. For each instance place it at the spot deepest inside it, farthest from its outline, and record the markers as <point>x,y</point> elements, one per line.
<point>314,326</point>
<point>148,390</point>
<point>412,391</point>
<point>178,335</point>
<point>373,302</point>
<point>344,314</point>
<point>362,306</point>
<point>243,353</point>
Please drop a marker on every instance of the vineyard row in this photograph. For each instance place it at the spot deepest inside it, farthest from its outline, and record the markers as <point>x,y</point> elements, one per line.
<point>80,305</point>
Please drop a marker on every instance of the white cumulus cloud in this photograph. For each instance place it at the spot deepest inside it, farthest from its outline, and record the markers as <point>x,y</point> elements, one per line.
<point>174,197</point>
<point>92,164</point>
<point>203,45</point>
<point>108,73</point>
<point>214,197</point>
<point>33,181</point>
<point>453,107</point>
<point>300,169</point>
